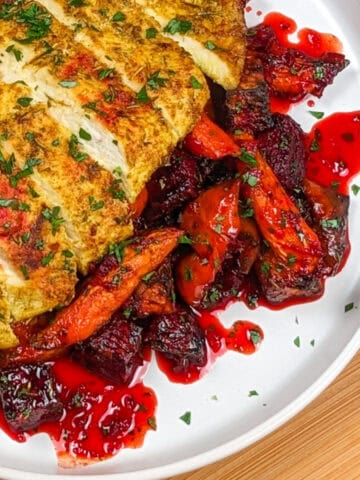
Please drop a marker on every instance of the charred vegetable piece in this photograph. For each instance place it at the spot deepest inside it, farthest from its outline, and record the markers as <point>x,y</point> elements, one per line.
<point>28,396</point>
<point>208,140</point>
<point>113,283</point>
<point>171,187</point>
<point>281,282</point>
<point>154,295</point>
<point>330,214</point>
<point>290,73</point>
<point>285,151</point>
<point>277,217</point>
<point>238,262</point>
<point>114,352</point>
<point>246,109</point>
<point>179,337</point>
<point>212,222</point>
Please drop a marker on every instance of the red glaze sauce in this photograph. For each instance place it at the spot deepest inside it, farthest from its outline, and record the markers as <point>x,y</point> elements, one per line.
<point>310,42</point>
<point>243,337</point>
<point>98,418</point>
<point>334,145</point>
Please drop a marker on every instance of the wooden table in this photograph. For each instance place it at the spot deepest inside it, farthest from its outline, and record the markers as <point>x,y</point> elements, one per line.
<point>321,443</point>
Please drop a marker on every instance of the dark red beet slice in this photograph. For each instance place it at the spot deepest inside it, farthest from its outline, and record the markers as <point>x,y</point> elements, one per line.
<point>284,149</point>
<point>179,337</point>
<point>29,397</point>
<point>114,352</point>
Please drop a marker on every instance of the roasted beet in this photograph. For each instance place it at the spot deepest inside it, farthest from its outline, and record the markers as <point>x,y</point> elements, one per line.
<point>171,187</point>
<point>29,396</point>
<point>179,337</point>
<point>114,352</point>
<point>154,295</point>
<point>284,149</point>
<point>330,216</point>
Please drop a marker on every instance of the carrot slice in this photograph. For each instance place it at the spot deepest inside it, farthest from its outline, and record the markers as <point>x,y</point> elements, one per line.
<point>110,287</point>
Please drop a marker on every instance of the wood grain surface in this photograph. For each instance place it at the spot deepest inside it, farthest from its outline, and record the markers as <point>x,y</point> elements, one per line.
<point>321,443</point>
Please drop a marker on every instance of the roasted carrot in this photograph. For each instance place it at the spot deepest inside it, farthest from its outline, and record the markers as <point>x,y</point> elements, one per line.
<point>113,283</point>
<point>138,206</point>
<point>208,140</point>
<point>279,220</point>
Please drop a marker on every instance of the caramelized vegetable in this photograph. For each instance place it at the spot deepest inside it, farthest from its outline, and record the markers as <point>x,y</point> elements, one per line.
<point>108,289</point>
<point>208,140</point>
<point>279,220</point>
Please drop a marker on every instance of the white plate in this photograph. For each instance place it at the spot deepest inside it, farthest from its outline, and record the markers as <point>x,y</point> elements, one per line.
<point>286,377</point>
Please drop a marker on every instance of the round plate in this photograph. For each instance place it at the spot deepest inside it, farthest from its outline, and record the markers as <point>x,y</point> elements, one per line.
<point>224,418</point>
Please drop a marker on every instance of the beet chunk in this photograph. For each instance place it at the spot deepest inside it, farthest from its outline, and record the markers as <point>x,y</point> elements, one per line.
<point>28,396</point>
<point>114,352</point>
<point>179,337</point>
<point>284,149</point>
<point>171,187</point>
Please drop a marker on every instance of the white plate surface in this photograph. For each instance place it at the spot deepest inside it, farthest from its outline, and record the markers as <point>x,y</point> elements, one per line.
<point>287,378</point>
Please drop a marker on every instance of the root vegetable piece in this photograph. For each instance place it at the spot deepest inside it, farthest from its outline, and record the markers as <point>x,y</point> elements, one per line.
<point>281,282</point>
<point>154,295</point>
<point>330,214</point>
<point>285,151</point>
<point>277,217</point>
<point>114,352</point>
<point>113,283</point>
<point>179,337</point>
<point>28,396</point>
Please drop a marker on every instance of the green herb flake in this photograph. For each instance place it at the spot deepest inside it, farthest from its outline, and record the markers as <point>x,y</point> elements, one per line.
<point>142,95</point>
<point>94,205</point>
<point>68,83</point>
<point>215,398</point>
<point>255,337</point>
<point>185,240</point>
<point>210,45</point>
<point>297,342</point>
<point>16,52</point>
<point>151,33</point>
<point>194,82</point>
<point>265,268</point>
<point>84,135</point>
<point>319,73</point>
<point>186,418</point>
<point>52,215</point>
<point>188,274</point>
<point>349,307</point>
<point>177,25</point>
<point>155,81</point>
<point>253,393</point>
<point>74,149</point>
<point>317,115</point>
<point>332,223</point>
<point>67,253</point>
<point>355,189</point>
<point>105,73</point>
<point>151,421</point>
<point>118,17</point>
<point>248,158</point>
<point>312,343</point>
<point>25,272</point>
<point>118,249</point>
<point>24,101</point>
<point>47,259</point>
<point>291,260</point>
<point>146,278</point>
<point>251,180</point>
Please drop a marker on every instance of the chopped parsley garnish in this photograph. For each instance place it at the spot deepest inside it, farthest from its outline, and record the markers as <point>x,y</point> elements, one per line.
<point>16,52</point>
<point>248,158</point>
<point>151,421</point>
<point>186,418</point>
<point>52,215</point>
<point>177,25</point>
<point>355,189</point>
<point>291,260</point>
<point>317,115</point>
<point>24,101</point>
<point>105,73</point>
<point>265,268</point>
<point>210,45</point>
<point>25,271</point>
<point>94,205</point>
<point>36,19</point>
<point>84,135</point>
<point>7,166</point>
<point>155,81</point>
<point>68,83</point>
<point>74,149</point>
<point>253,393</point>
<point>146,278</point>
<point>28,170</point>
<point>184,240</point>
<point>142,95</point>
<point>333,223</point>
<point>118,17</point>
<point>14,204</point>
<point>76,3</point>
<point>188,274</point>
<point>312,343</point>
<point>319,73</point>
<point>151,33</point>
<point>297,342</point>
<point>349,307</point>
<point>195,83</point>
<point>46,260</point>
<point>255,337</point>
<point>118,249</point>
<point>250,179</point>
